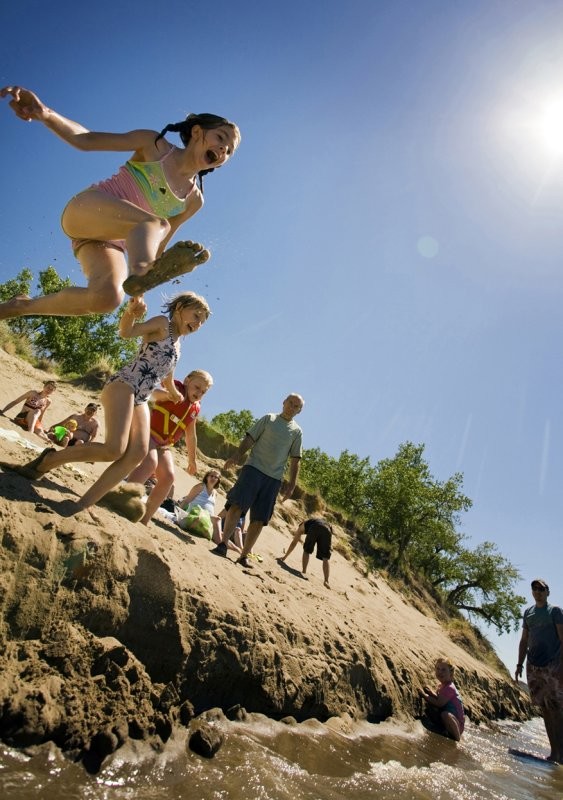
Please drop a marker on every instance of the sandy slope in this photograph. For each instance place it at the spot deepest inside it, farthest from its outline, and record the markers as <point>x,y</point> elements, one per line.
<point>190,626</point>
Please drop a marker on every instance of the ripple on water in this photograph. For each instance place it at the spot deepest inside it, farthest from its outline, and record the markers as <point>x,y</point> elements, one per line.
<point>266,760</point>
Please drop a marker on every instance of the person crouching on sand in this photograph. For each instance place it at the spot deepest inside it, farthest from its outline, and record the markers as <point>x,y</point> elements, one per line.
<point>124,397</point>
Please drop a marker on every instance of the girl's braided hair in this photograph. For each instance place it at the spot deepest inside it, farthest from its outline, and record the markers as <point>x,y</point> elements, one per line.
<point>205,121</point>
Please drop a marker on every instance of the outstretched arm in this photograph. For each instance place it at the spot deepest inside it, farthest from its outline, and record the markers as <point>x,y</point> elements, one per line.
<point>27,106</point>
<point>295,541</point>
<point>19,399</point>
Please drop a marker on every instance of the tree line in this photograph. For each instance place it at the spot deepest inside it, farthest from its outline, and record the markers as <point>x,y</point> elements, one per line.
<point>74,344</point>
<point>408,522</point>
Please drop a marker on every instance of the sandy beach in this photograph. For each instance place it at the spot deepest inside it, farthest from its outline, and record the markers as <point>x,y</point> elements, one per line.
<point>112,630</point>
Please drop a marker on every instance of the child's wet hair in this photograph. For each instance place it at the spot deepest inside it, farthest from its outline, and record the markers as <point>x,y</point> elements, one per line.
<point>187,300</point>
<point>206,121</point>
<point>50,383</point>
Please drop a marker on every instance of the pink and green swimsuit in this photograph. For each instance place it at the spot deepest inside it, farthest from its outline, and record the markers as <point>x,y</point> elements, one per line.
<point>144,184</point>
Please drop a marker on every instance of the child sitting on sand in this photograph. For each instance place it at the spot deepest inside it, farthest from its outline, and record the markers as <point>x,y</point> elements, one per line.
<point>446,701</point>
<point>62,434</point>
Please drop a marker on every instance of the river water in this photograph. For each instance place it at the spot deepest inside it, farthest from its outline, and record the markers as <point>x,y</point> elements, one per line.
<point>266,760</point>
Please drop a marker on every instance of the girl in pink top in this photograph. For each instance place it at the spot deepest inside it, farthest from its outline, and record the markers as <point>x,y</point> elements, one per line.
<point>138,210</point>
<point>446,698</point>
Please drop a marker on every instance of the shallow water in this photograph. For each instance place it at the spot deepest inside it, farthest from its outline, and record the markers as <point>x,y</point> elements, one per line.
<point>266,760</point>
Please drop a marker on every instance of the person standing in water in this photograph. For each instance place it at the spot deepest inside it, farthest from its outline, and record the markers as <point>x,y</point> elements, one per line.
<point>541,646</point>
<point>124,223</point>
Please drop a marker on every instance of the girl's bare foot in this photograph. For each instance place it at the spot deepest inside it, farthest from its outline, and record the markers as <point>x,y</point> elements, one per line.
<point>33,470</point>
<point>179,259</point>
<point>14,307</point>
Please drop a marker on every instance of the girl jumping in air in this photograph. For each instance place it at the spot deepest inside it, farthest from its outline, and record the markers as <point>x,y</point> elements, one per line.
<point>136,211</point>
<point>124,397</point>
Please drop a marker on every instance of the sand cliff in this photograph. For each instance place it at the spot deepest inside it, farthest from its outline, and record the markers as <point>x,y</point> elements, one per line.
<point>113,630</point>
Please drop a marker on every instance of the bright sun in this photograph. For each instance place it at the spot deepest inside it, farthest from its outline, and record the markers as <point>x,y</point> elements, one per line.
<point>550,126</point>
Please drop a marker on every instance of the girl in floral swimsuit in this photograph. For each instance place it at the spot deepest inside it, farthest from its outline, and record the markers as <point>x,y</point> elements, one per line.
<point>124,397</point>
<point>136,211</point>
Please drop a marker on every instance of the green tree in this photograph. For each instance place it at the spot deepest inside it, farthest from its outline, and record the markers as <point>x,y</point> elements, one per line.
<point>481,583</point>
<point>233,424</point>
<point>74,343</point>
<point>21,284</point>
<point>341,482</point>
<point>411,511</point>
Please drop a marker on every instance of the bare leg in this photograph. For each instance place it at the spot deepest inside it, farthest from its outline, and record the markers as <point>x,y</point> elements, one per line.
<point>232,544</point>
<point>305,562</point>
<point>451,725</point>
<point>137,445</point>
<point>326,571</point>
<point>254,531</point>
<point>146,468</point>
<point>105,270</point>
<point>553,720</point>
<point>231,521</point>
<point>32,418</point>
<point>93,214</point>
<point>164,471</point>
<point>117,399</point>
<point>237,539</point>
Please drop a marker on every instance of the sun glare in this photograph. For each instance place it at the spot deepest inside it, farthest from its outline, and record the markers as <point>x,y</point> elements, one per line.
<point>551,129</point>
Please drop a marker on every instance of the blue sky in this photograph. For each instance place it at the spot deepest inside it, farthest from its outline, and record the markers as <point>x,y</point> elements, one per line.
<point>387,241</point>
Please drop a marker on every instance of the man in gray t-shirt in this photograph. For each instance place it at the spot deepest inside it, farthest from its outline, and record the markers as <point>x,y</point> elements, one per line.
<point>542,645</point>
<point>272,440</point>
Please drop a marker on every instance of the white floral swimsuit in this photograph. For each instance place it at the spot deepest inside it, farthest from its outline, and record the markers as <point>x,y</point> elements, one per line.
<point>153,362</point>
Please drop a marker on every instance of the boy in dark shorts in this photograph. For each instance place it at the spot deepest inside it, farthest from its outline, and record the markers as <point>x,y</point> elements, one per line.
<point>317,532</point>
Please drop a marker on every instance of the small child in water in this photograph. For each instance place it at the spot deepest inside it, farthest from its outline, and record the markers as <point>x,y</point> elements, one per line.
<point>446,701</point>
